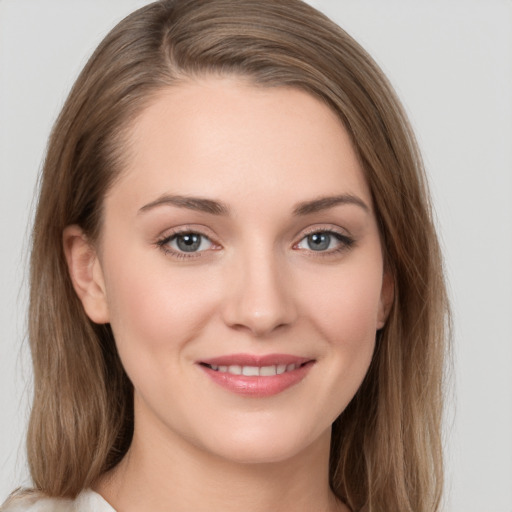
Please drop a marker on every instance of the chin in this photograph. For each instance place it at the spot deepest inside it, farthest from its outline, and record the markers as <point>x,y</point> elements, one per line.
<point>265,446</point>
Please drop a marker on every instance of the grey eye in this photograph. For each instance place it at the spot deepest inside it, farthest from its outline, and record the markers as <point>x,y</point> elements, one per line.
<point>325,241</point>
<point>189,242</point>
<point>320,241</point>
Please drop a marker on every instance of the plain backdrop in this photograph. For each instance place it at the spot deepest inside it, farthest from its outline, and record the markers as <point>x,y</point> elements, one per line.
<point>451,63</point>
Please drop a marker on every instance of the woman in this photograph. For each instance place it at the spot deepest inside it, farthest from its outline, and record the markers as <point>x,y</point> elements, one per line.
<point>237,297</point>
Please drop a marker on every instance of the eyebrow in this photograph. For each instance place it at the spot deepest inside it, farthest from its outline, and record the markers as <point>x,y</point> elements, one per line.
<point>192,203</point>
<point>214,207</point>
<point>324,203</point>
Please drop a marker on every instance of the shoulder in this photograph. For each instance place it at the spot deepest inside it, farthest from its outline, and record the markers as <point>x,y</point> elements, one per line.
<point>84,502</point>
<point>32,503</point>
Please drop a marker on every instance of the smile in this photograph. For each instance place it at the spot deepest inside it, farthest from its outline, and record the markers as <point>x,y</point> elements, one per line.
<point>257,376</point>
<point>255,371</point>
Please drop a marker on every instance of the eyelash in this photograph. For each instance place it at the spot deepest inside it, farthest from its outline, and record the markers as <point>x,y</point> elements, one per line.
<point>163,243</point>
<point>346,243</point>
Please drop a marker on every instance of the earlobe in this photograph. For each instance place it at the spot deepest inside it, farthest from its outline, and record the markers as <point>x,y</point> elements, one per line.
<point>86,274</point>
<point>387,295</point>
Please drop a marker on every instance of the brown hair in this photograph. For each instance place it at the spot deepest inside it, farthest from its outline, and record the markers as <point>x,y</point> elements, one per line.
<point>386,449</point>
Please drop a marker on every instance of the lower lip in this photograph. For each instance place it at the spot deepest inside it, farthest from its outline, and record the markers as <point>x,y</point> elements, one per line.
<point>258,386</point>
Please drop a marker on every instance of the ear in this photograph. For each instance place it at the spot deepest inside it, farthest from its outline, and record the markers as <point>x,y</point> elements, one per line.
<point>86,274</point>
<point>387,294</point>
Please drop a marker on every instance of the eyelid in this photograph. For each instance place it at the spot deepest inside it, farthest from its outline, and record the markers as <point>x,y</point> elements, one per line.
<point>345,239</point>
<point>168,235</point>
<point>323,228</point>
<point>198,229</point>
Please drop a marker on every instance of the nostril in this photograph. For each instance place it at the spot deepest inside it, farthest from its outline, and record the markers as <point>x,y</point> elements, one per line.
<point>259,301</point>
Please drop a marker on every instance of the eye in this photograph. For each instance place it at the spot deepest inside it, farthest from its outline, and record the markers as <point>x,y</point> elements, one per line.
<point>188,242</point>
<point>325,241</point>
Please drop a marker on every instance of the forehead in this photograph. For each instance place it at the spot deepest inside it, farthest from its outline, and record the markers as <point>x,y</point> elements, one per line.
<point>225,137</point>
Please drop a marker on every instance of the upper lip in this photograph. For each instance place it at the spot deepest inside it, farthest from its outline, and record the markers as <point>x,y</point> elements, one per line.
<point>255,360</point>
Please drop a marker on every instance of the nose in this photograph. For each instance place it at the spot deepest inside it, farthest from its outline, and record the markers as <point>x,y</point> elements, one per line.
<point>260,296</point>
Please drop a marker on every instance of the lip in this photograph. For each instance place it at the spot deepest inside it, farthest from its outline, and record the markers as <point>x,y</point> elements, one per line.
<point>257,386</point>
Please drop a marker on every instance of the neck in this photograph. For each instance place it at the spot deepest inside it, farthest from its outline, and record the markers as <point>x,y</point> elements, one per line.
<point>168,473</point>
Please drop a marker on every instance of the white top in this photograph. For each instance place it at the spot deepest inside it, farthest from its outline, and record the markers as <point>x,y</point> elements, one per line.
<point>86,501</point>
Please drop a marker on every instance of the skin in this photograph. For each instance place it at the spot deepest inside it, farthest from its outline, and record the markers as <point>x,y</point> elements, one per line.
<point>255,286</point>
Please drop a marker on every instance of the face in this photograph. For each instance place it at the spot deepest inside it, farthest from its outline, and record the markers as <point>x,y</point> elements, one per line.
<point>241,269</point>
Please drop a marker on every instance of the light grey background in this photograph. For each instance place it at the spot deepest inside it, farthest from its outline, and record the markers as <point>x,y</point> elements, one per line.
<point>451,62</point>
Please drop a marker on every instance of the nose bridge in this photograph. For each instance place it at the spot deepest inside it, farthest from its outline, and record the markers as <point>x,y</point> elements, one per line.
<point>260,298</point>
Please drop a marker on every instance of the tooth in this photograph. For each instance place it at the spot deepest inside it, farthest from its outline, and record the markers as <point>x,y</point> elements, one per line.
<point>267,371</point>
<point>253,371</point>
<point>250,370</point>
<point>235,369</point>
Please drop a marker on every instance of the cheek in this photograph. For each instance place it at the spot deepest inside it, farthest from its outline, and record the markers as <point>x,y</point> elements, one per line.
<point>154,315</point>
<point>345,303</point>
<point>156,309</point>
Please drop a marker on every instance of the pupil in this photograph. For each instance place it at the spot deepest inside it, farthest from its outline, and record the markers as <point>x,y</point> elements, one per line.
<point>319,241</point>
<point>189,243</point>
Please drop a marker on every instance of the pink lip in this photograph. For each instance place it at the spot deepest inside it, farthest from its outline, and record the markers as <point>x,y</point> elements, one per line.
<point>256,386</point>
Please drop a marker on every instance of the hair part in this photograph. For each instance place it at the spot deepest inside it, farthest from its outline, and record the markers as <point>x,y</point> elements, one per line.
<point>386,451</point>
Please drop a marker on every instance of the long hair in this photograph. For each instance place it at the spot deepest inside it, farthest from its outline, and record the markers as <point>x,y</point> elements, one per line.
<point>386,451</point>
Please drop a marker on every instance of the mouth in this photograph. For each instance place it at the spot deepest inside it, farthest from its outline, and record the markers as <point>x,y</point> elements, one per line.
<point>255,371</point>
<point>257,376</point>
